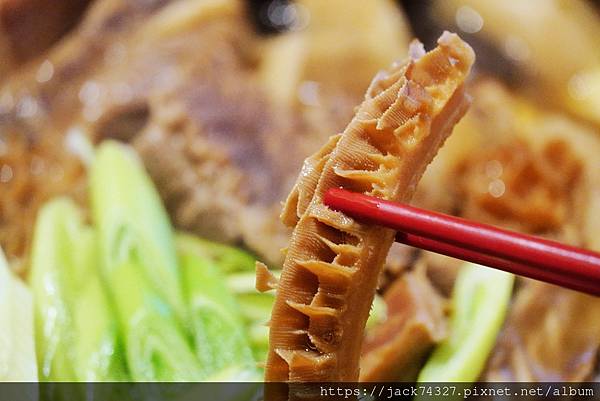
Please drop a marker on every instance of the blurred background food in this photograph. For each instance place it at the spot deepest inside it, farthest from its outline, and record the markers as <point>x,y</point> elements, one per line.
<point>222,100</point>
<point>29,27</point>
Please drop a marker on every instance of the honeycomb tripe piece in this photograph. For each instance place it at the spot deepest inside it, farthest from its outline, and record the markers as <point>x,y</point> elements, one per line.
<point>332,263</point>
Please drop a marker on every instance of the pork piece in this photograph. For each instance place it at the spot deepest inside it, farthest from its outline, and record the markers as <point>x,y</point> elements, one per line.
<point>396,349</point>
<point>232,159</point>
<point>332,265</point>
<point>551,334</point>
<point>223,156</point>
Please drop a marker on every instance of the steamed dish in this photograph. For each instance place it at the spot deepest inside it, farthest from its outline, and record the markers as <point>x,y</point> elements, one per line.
<point>146,148</point>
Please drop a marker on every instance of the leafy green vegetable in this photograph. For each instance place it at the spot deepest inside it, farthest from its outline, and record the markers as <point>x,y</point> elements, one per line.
<point>238,267</point>
<point>480,301</point>
<point>140,267</point>
<point>17,349</point>
<point>132,222</point>
<point>218,328</point>
<point>75,329</point>
<point>98,354</point>
<point>155,346</point>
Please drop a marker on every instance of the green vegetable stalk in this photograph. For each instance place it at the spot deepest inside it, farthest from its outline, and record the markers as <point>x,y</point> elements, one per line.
<point>132,222</point>
<point>139,265</point>
<point>75,330</point>
<point>155,346</point>
<point>17,349</point>
<point>238,266</point>
<point>480,300</point>
<point>219,332</point>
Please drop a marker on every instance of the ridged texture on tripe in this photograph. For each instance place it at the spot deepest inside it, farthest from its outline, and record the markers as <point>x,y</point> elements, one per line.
<point>332,264</point>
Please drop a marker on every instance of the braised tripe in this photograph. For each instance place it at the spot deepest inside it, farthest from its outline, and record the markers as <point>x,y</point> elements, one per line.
<point>332,263</point>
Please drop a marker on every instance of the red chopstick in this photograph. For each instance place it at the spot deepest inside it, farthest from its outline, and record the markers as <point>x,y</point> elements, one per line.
<point>525,255</point>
